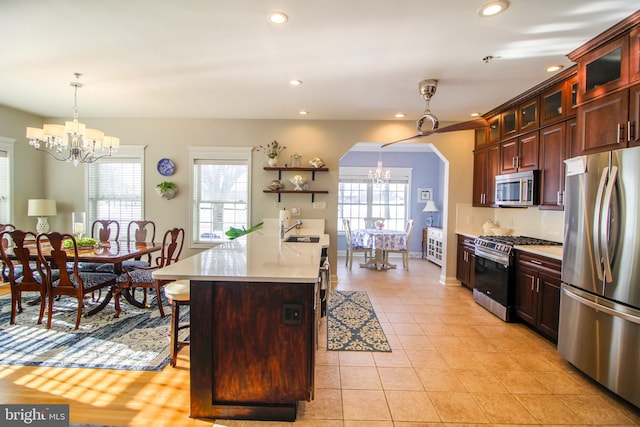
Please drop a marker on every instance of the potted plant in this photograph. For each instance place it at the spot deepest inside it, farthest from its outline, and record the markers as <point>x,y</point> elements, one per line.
<point>272,150</point>
<point>167,190</point>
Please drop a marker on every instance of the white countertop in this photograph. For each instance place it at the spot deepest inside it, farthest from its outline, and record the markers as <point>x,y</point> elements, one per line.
<point>554,252</point>
<point>259,256</point>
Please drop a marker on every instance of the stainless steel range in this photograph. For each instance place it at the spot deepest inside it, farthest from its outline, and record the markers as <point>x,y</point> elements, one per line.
<point>494,280</point>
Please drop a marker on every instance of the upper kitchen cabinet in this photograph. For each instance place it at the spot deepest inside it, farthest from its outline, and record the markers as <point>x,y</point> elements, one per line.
<point>608,68</point>
<point>486,166</point>
<point>555,142</point>
<point>509,121</point>
<point>634,55</point>
<point>559,102</point>
<point>519,154</point>
<point>528,116</point>
<point>634,115</point>
<point>603,70</point>
<point>494,129</point>
<point>603,124</point>
<point>481,137</point>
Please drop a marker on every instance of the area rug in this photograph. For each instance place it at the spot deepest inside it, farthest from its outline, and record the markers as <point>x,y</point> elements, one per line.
<point>137,340</point>
<point>352,324</point>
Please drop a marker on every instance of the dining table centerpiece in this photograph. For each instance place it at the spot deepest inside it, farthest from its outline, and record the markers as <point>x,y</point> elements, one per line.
<point>272,150</point>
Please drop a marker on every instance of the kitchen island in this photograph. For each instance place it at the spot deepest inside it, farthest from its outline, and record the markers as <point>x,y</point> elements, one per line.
<point>254,314</point>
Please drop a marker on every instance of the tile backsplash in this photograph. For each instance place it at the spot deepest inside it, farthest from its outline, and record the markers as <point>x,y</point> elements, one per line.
<point>522,221</point>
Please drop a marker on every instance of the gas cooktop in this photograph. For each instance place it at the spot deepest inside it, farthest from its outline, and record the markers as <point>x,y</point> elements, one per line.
<point>519,240</point>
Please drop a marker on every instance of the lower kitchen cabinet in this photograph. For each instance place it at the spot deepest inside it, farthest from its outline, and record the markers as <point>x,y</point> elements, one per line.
<point>538,292</point>
<point>466,260</point>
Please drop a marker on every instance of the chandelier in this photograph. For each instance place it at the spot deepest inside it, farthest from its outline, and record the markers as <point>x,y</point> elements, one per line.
<point>379,176</point>
<point>73,142</point>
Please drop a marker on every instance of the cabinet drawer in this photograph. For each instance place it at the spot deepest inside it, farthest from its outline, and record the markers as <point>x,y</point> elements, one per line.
<point>552,265</point>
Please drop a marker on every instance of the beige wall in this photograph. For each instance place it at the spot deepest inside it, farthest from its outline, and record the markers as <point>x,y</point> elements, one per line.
<point>171,137</point>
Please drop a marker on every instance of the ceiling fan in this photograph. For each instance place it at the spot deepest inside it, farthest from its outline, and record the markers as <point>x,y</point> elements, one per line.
<point>427,89</point>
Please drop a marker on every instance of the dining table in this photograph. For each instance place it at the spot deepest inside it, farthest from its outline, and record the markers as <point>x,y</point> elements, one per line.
<point>380,241</point>
<point>112,252</point>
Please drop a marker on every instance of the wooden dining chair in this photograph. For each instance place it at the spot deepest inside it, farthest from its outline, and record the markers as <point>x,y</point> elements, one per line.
<point>104,230</point>
<point>140,232</point>
<point>352,247</point>
<point>74,283</point>
<point>141,277</point>
<point>404,251</point>
<point>30,276</point>
<point>6,241</point>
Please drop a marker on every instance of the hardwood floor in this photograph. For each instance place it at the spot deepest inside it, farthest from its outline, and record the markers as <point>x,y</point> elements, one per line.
<point>452,363</point>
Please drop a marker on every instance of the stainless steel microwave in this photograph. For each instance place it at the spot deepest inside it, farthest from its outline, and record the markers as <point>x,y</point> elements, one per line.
<point>517,189</point>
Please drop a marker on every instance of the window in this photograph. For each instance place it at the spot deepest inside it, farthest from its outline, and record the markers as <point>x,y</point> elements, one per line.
<point>6,185</point>
<point>220,179</point>
<point>359,199</point>
<point>115,187</point>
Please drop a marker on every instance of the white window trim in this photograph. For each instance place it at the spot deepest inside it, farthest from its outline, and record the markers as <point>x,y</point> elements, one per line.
<point>8,145</point>
<point>216,153</point>
<point>358,172</point>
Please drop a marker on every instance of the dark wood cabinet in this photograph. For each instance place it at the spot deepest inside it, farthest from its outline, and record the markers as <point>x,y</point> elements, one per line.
<point>633,125</point>
<point>486,166</point>
<point>634,55</point>
<point>509,122</point>
<point>528,117</point>
<point>466,261</point>
<point>602,124</point>
<point>604,69</point>
<point>554,149</point>
<point>519,154</point>
<point>254,356</point>
<point>559,102</point>
<point>538,292</point>
<point>494,129</point>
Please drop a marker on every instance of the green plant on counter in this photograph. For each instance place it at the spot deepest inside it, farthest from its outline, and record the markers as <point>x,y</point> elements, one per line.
<point>234,233</point>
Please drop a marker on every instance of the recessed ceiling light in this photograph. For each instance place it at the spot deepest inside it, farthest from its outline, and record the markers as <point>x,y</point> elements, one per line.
<point>493,8</point>
<point>303,113</point>
<point>475,114</point>
<point>554,68</point>
<point>400,115</point>
<point>295,82</point>
<point>278,17</point>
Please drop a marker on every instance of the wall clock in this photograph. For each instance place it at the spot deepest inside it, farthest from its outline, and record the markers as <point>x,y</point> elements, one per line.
<point>166,167</point>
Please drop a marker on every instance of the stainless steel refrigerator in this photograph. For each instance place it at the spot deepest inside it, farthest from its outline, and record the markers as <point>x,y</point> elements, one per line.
<point>599,331</point>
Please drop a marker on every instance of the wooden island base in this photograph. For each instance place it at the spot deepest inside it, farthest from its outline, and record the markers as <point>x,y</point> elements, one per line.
<point>253,350</point>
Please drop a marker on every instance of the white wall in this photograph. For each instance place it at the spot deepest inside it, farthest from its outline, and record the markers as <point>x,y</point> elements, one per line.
<point>170,138</point>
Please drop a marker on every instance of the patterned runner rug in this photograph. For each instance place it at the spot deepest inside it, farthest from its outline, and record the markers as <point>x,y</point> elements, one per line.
<point>138,340</point>
<point>352,324</point>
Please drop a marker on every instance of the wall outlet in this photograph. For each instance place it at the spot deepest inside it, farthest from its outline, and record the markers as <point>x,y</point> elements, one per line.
<point>295,211</point>
<point>319,205</point>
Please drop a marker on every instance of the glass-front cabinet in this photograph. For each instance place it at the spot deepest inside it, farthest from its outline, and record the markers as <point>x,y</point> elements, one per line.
<point>604,69</point>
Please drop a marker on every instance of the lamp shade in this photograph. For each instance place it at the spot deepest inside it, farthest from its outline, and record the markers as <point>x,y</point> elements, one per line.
<point>42,207</point>
<point>430,207</point>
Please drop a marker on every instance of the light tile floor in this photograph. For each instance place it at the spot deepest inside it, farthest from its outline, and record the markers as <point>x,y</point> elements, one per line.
<point>453,363</point>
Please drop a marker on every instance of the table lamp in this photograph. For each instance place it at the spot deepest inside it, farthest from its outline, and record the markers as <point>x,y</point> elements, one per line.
<point>430,207</point>
<point>42,208</point>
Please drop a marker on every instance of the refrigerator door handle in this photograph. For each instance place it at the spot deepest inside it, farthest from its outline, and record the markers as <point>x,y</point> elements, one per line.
<point>626,316</point>
<point>604,229</point>
<point>597,223</point>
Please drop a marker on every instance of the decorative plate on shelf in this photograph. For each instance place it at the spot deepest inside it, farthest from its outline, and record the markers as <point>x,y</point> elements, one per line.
<point>166,167</point>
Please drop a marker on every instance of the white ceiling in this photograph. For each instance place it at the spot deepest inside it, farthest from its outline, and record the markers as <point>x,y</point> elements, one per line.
<point>359,59</point>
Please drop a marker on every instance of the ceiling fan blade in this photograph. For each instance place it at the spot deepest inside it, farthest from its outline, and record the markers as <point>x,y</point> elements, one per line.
<point>468,125</point>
